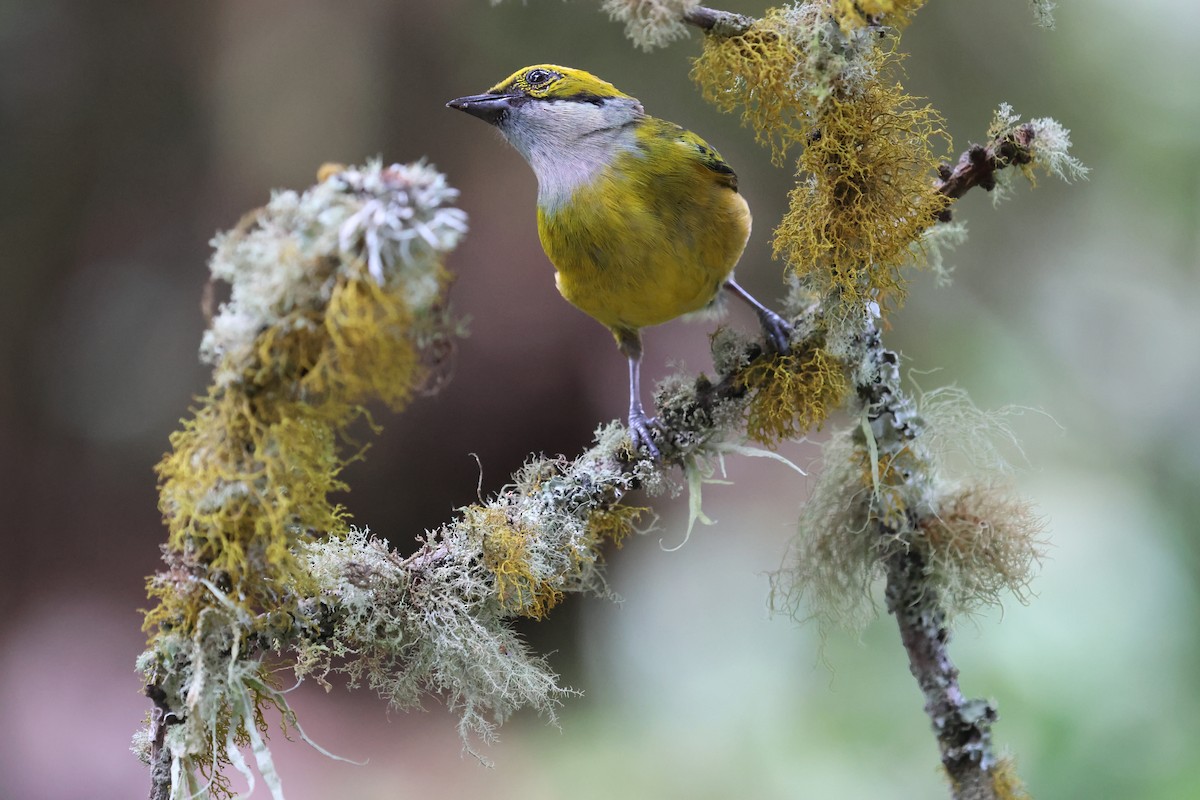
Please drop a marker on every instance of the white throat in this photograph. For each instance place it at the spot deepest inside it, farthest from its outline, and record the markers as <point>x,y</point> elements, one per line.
<point>568,142</point>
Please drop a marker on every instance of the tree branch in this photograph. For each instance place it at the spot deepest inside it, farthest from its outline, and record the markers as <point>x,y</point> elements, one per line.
<point>962,727</point>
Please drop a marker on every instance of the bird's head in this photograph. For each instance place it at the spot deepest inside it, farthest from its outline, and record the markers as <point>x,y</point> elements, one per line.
<point>547,108</point>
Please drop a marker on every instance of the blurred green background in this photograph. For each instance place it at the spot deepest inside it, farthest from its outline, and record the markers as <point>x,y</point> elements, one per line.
<point>132,131</point>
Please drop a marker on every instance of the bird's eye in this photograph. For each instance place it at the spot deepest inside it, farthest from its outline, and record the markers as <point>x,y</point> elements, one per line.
<point>537,77</point>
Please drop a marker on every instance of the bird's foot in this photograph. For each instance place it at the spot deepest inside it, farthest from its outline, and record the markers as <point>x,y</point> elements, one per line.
<point>641,431</point>
<point>777,330</point>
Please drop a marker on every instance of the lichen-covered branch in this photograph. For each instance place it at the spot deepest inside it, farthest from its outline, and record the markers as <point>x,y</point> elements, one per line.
<point>886,505</point>
<point>963,727</point>
<point>978,165</point>
<point>336,298</point>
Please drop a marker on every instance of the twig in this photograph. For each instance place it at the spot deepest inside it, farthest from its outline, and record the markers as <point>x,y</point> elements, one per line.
<point>718,23</point>
<point>161,717</point>
<point>978,165</point>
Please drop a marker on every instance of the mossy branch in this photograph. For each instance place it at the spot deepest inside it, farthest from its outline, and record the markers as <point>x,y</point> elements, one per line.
<point>917,576</point>
<point>337,298</point>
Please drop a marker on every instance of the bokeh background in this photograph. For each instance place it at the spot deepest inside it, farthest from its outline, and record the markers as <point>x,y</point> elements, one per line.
<point>130,132</point>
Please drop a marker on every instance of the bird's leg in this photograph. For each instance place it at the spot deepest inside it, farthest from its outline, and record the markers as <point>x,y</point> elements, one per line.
<point>778,331</point>
<point>630,344</point>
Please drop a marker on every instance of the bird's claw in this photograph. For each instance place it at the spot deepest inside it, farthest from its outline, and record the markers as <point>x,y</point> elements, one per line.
<point>641,430</point>
<point>777,330</point>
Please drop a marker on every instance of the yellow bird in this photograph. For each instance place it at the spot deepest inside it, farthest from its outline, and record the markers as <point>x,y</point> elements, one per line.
<point>641,219</point>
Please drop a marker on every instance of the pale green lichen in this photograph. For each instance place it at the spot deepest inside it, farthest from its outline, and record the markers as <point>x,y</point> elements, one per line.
<point>284,261</point>
<point>968,441</point>
<point>934,245</point>
<point>1051,150</point>
<point>651,23</point>
<point>1049,146</point>
<point>979,538</point>
<point>1043,12</point>
<point>431,624</point>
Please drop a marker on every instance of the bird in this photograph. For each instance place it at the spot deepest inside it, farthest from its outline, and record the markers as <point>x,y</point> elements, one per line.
<point>641,219</point>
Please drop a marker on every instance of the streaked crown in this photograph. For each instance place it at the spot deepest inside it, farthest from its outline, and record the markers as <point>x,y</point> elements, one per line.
<point>552,82</point>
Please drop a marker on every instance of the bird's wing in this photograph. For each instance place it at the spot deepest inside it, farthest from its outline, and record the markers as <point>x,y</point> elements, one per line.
<point>709,158</point>
<point>698,151</point>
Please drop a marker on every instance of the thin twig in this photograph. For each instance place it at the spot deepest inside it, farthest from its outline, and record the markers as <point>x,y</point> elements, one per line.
<point>979,164</point>
<point>161,717</point>
<point>718,23</point>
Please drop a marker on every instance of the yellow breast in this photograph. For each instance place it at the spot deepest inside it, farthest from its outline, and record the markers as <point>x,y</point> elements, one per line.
<point>647,240</point>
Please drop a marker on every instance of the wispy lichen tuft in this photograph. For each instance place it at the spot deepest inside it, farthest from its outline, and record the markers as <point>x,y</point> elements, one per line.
<point>651,23</point>
<point>981,544</point>
<point>1048,146</point>
<point>934,245</point>
<point>1043,12</point>
<point>833,562</point>
<point>412,627</point>
<point>979,538</point>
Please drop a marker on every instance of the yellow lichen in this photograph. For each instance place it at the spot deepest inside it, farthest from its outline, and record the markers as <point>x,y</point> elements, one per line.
<point>865,195</point>
<point>246,479</point>
<point>371,351</point>
<point>529,581</point>
<point>760,73</point>
<point>506,546</point>
<point>983,541</point>
<point>792,394</point>
<point>1006,783</point>
<point>614,523</point>
<point>805,76</point>
<point>857,13</point>
<point>251,474</point>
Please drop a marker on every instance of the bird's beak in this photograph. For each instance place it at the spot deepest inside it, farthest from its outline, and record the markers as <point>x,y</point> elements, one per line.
<point>491,108</point>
